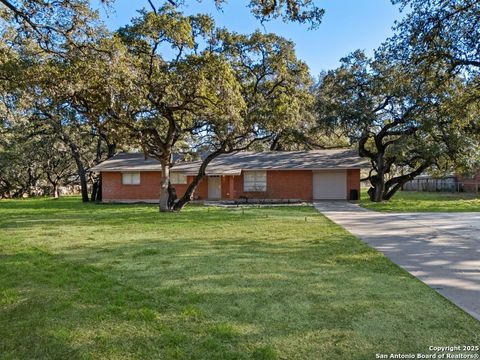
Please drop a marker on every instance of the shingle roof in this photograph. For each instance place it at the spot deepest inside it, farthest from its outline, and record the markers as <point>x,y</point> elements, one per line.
<point>234,163</point>
<point>128,162</point>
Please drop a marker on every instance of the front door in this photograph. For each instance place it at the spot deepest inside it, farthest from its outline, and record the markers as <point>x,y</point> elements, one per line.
<point>214,188</point>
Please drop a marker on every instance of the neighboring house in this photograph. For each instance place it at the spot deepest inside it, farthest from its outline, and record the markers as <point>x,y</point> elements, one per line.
<point>279,175</point>
<point>470,183</point>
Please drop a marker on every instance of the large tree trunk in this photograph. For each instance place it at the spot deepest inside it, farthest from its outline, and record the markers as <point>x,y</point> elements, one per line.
<point>82,173</point>
<point>377,190</point>
<point>98,159</point>
<point>99,191</point>
<point>382,190</point>
<point>396,183</point>
<point>56,193</point>
<point>30,183</point>
<point>54,181</point>
<point>188,196</point>
<point>95,186</point>
<point>164,181</point>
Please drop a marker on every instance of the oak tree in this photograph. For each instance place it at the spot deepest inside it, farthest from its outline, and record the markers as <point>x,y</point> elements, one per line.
<point>403,122</point>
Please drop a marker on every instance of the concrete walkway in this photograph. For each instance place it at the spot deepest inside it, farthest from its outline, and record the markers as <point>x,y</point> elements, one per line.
<point>441,249</point>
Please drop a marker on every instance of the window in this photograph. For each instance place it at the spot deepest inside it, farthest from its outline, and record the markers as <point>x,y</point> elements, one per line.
<point>255,181</point>
<point>178,178</point>
<point>131,178</point>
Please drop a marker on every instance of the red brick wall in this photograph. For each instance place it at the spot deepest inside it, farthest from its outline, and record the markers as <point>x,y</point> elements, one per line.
<point>225,181</point>
<point>148,189</point>
<point>202,189</point>
<point>281,184</point>
<point>470,184</point>
<point>353,181</point>
<point>290,184</point>
<point>113,189</point>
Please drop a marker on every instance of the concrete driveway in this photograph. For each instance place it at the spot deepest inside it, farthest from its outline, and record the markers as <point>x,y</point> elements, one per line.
<point>441,249</point>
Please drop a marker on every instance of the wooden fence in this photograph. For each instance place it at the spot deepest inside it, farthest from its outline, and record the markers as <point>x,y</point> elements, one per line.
<point>447,184</point>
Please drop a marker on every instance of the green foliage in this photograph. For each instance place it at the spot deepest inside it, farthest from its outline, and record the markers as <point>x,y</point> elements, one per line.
<point>441,37</point>
<point>61,14</point>
<point>273,87</point>
<point>439,33</point>
<point>35,161</point>
<point>160,83</point>
<point>273,84</point>
<point>162,100</point>
<point>49,63</point>
<point>182,89</point>
<point>54,26</point>
<point>303,11</point>
<point>403,120</point>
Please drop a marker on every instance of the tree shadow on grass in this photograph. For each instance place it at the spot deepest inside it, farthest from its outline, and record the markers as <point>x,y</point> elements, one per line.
<point>60,213</point>
<point>191,287</point>
<point>241,299</point>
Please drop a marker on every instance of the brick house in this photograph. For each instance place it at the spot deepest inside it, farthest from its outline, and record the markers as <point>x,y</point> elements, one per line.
<point>279,175</point>
<point>470,183</point>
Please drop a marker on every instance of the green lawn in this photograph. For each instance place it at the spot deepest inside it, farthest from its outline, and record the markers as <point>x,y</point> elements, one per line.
<point>413,201</point>
<point>85,281</point>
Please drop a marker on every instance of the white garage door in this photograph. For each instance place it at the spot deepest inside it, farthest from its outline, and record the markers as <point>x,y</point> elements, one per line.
<point>330,185</point>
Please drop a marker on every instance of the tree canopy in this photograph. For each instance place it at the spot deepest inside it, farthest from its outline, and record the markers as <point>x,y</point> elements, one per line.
<point>440,32</point>
<point>274,92</point>
<point>402,121</point>
<point>46,17</point>
<point>169,83</point>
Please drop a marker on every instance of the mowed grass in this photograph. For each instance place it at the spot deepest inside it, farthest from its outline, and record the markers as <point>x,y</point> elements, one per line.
<point>86,281</point>
<point>417,201</point>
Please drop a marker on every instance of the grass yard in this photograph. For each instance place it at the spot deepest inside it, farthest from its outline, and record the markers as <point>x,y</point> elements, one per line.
<point>413,201</point>
<point>85,281</point>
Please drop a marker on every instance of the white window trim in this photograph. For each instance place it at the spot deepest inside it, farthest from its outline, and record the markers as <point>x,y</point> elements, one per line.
<point>255,181</point>
<point>178,178</point>
<point>131,178</point>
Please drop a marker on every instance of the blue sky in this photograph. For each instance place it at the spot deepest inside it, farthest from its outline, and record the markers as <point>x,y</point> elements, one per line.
<point>347,25</point>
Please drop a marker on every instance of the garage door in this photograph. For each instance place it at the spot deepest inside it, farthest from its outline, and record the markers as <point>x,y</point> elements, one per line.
<point>330,185</point>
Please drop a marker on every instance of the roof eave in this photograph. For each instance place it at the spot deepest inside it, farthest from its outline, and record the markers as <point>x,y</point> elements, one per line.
<point>229,172</point>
